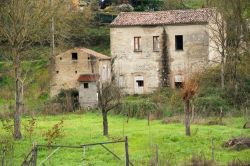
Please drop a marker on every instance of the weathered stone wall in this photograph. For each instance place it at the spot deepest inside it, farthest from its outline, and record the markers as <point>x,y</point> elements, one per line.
<point>88,96</point>
<point>67,70</point>
<point>147,63</point>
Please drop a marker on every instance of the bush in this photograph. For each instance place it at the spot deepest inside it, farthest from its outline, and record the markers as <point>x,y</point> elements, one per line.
<point>65,101</point>
<point>110,9</point>
<point>139,106</point>
<point>211,104</point>
<point>69,99</point>
<point>125,8</point>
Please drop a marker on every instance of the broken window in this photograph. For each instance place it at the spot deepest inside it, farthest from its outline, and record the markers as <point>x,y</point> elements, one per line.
<point>74,56</point>
<point>178,85</point>
<point>178,42</point>
<point>86,85</point>
<point>156,43</point>
<point>76,72</point>
<point>60,58</point>
<point>57,72</point>
<point>137,43</point>
<point>140,83</point>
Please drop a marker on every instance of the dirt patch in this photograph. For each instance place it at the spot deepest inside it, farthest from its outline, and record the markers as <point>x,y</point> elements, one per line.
<point>238,143</point>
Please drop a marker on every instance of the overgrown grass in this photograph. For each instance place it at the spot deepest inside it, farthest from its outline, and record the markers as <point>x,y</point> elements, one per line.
<point>174,147</point>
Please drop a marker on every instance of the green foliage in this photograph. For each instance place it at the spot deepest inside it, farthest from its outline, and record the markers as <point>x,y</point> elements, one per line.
<point>161,103</point>
<point>6,138</point>
<point>211,104</point>
<point>139,107</point>
<point>165,60</point>
<point>125,8</point>
<point>106,18</point>
<point>111,9</point>
<point>93,37</point>
<point>68,99</point>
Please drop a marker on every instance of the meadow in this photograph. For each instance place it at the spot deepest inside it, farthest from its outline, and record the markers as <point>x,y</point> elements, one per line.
<point>174,147</point>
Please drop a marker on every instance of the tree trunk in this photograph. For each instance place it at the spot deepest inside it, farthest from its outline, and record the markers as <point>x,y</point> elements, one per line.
<point>222,74</point>
<point>105,123</point>
<point>187,117</point>
<point>19,98</point>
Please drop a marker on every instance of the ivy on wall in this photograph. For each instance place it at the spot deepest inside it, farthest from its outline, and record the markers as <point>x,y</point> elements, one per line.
<point>165,60</point>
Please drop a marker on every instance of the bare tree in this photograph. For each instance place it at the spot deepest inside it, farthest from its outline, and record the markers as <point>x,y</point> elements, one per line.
<point>217,30</point>
<point>109,96</point>
<point>22,23</point>
<point>228,30</point>
<point>190,88</point>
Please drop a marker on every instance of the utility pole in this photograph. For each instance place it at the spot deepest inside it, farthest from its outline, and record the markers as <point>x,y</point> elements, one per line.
<point>52,32</point>
<point>52,43</point>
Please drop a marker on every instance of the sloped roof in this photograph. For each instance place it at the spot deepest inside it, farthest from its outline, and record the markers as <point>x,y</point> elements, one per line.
<point>88,77</point>
<point>94,53</point>
<point>162,17</point>
<point>90,52</point>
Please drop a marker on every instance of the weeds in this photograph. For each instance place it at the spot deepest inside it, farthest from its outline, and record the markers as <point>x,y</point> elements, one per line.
<point>54,133</point>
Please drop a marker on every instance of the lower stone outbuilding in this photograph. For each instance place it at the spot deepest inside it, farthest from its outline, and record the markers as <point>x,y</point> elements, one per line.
<point>81,69</point>
<point>88,95</point>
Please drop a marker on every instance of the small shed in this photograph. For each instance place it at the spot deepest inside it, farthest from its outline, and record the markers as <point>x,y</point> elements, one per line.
<point>88,96</point>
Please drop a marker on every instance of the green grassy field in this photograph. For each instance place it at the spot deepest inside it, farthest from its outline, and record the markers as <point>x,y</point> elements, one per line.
<point>174,147</point>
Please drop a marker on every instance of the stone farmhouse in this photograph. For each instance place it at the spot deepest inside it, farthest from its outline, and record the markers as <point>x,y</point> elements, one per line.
<point>137,46</point>
<point>82,69</point>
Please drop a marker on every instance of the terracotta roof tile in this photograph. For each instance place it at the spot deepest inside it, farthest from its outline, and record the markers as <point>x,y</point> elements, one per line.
<point>88,77</point>
<point>162,17</point>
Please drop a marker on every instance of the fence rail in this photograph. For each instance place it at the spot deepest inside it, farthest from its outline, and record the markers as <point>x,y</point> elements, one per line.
<point>31,158</point>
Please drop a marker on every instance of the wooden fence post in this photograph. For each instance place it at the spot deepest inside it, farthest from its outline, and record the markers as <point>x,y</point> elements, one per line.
<point>126,151</point>
<point>212,141</point>
<point>34,156</point>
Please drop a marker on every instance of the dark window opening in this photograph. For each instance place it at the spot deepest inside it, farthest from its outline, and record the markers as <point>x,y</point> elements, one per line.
<point>179,42</point>
<point>76,72</point>
<point>74,56</point>
<point>178,85</point>
<point>57,71</point>
<point>86,85</point>
<point>140,83</point>
<point>137,43</point>
<point>60,58</point>
<point>156,43</point>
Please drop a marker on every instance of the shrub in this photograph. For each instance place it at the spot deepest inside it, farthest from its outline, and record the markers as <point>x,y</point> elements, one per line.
<point>54,133</point>
<point>211,104</point>
<point>139,106</point>
<point>69,99</point>
<point>125,8</point>
<point>65,101</point>
<point>110,9</point>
